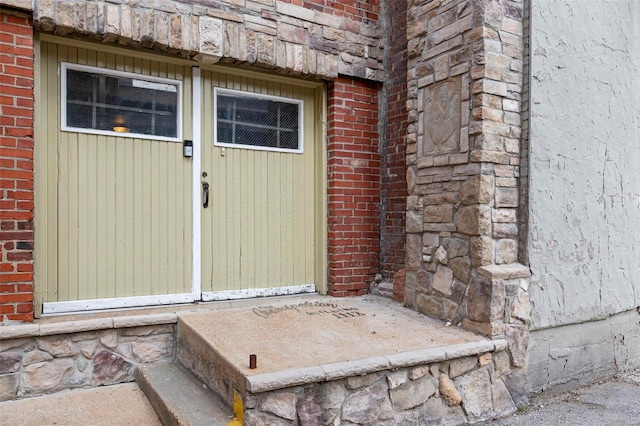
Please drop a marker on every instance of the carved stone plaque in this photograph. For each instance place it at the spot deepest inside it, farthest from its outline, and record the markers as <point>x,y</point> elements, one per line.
<point>442,117</point>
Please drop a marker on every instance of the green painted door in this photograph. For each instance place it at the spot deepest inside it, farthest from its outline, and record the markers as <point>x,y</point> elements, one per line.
<point>260,230</point>
<point>114,211</point>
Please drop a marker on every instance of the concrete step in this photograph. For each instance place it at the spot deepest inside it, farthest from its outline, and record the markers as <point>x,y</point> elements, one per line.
<point>179,398</point>
<point>201,355</point>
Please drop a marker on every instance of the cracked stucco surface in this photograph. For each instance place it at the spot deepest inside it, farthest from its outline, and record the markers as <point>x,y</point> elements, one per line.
<point>584,230</point>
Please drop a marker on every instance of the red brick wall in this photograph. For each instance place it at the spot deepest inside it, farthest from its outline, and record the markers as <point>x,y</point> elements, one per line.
<point>16,166</point>
<point>357,10</point>
<point>353,186</point>
<point>394,183</point>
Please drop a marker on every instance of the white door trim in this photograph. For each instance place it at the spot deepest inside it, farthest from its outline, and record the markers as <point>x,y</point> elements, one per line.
<point>196,120</point>
<point>257,292</point>
<point>51,308</point>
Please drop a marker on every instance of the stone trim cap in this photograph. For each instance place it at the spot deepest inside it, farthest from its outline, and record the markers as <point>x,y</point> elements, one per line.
<point>505,272</point>
<point>339,370</point>
<point>67,327</point>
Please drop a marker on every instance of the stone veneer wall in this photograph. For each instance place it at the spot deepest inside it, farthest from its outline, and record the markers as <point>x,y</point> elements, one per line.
<point>35,360</point>
<point>16,166</point>
<point>465,81</point>
<point>461,391</point>
<point>271,34</point>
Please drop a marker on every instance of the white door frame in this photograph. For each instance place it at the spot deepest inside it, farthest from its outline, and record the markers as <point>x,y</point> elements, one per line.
<point>196,120</point>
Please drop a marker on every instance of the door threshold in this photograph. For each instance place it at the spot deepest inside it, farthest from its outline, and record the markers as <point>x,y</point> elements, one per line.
<point>54,308</point>
<point>251,293</point>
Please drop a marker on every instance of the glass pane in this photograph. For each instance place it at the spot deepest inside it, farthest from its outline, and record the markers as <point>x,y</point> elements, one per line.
<point>289,140</point>
<point>125,105</point>
<point>250,135</point>
<point>165,125</point>
<point>79,116</point>
<point>141,122</point>
<point>225,107</point>
<point>225,132</point>
<point>257,122</point>
<point>80,86</point>
<point>289,116</point>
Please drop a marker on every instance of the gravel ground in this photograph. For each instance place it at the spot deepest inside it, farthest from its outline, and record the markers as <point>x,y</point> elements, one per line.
<point>614,402</point>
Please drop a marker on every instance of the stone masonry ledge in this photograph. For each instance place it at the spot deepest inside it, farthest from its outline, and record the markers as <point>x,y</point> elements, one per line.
<point>66,327</point>
<point>339,370</point>
<point>125,318</point>
<point>505,272</point>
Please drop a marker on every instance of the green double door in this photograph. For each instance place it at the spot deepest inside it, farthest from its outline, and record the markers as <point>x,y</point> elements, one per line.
<point>117,215</point>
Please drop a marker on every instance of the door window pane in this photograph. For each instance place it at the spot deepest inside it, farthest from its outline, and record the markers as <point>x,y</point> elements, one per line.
<point>106,101</point>
<point>248,120</point>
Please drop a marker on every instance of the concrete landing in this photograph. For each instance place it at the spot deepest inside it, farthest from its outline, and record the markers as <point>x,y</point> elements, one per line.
<point>315,339</point>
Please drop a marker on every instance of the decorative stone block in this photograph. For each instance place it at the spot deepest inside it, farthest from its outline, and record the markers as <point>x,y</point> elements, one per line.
<point>518,343</point>
<point>475,389</point>
<point>368,405</point>
<point>506,251</point>
<point>414,251</point>
<point>448,391</point>
<point>443,280</point>
<point>210,31</point>
<point>412,393</point>
<point>153,348</point>
<point>506,197</point>
<point>461,267</point>
<point>33,357</point>
<point>461,366</point>
<point>58,346</point>
<point>321,404</point>
<point>419,372</point>
<point>473,220</point>
<point>110,368</point>
<point>455,247</point>
<point>482,250</point>
<point>430,305</point>
<point>9,386</point>
<point>442,117</point>
<point>502,402</point>
<point>477,190</point>
<point>442,213</point>
<point>46,376</point>
<point>485,301</point>
<point>414,222</point>
<point>9,362</point>
<point>281,404</point>
<point>441,255</point>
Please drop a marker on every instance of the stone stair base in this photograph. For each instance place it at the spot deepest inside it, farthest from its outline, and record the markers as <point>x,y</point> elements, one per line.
<point>449,385</point>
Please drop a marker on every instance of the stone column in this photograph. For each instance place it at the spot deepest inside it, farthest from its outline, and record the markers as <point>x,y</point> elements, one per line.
<point>465,81</point>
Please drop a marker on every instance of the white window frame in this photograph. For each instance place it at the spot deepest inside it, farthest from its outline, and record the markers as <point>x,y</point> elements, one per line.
<point>123,74</point>
<point>299,102</point>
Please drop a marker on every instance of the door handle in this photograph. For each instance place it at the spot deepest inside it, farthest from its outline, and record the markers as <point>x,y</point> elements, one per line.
<point>205,194</point>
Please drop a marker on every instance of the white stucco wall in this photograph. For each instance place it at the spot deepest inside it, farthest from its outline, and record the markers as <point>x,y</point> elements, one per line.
<point>584,206</point>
